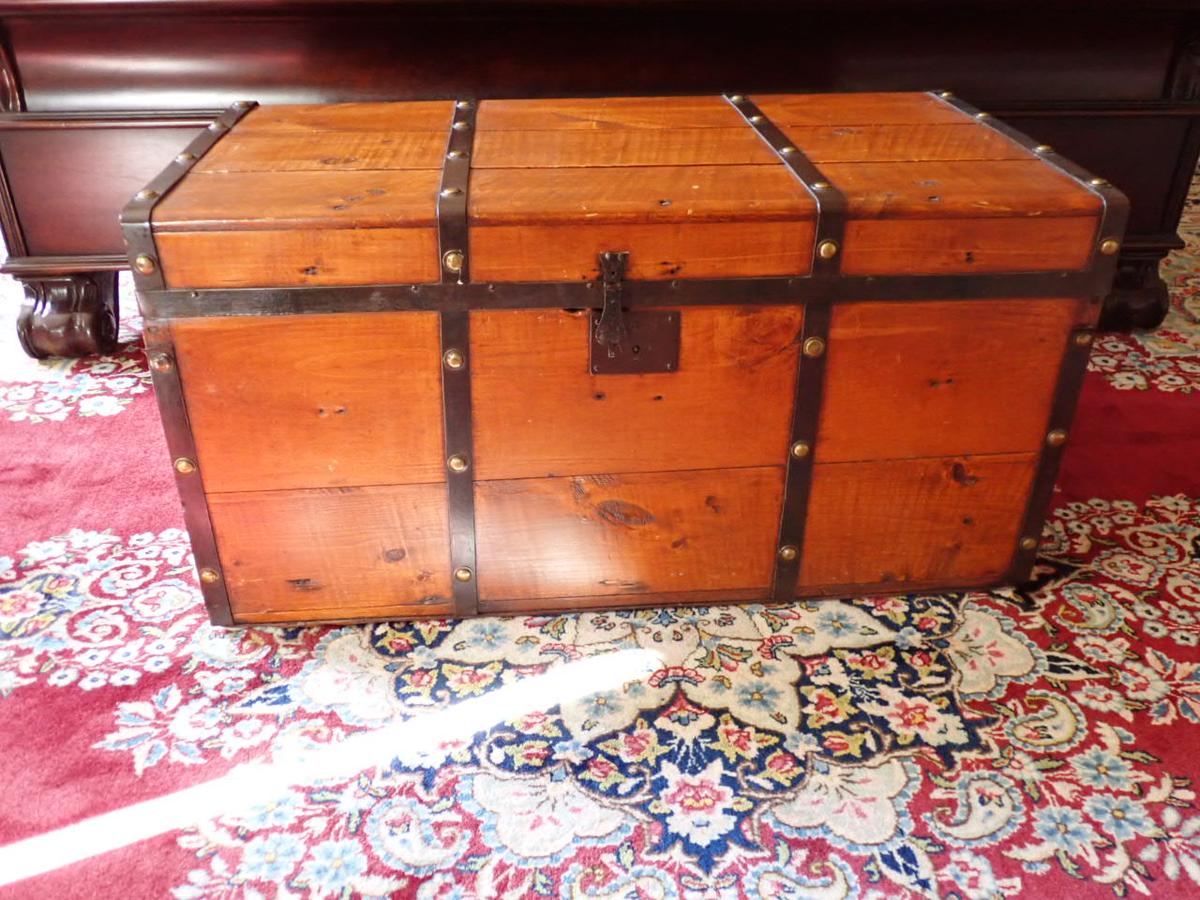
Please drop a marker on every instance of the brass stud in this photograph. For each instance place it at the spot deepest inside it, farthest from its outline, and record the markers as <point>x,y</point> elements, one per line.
<point>457,154</point>
<point>1029,543</point>
<point>241,104</point>
<point>814,347</point>
<point>146,194</point>
<point>453,359</point>
<point>451,191</point>
<point>1098,182</point>
<point>983,115</point>
<point>185,158</point>
<point>453,260</point>
<point>819,185</point>
<point>1083,338</point>
<point>217,126</point>
<point>756,119</point>
<point>801,449</point>
<point>160,362</point>
<point>945,95</point>
<point>463,104</point>
<point>788,150</point>
<point>210,576</point>
<point>184,466</point>
<point>1043,148</point>
<point>144,264</point>
<point>788,552</point>
<point>457,463</point>
<point>461,126</point>
<point>462,573</point>
<point>1109,246</point>
<point>737,98</point>
<point>1057,437</point>
<point>827,249</point>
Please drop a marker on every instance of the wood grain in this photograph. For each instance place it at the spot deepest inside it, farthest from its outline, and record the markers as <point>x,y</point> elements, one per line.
<point>313,401</point>
<point>325,151</point>
<point>623,601</point>
<point>627,534</point>
<point>933,247</point>
<point>233,259</point>
<point>641,147</point>
<point>946,521</point>
<point>655,195</point>
<point>931,378</point>
<point>960,189</point>
<point>289,119</point>
<point>903,143</point>
<point>856,109</point>
<point>657,252</point>
<point>538,411</point>
<point>300,200</point>
<point>607,113</point>
<point>334,554</point>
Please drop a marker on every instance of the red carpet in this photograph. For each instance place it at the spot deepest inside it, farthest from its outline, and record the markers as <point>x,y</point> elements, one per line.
<point>1041,742</point>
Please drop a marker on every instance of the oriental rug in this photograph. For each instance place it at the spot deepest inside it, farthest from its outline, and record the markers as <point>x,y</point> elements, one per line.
<point>1040,741</point>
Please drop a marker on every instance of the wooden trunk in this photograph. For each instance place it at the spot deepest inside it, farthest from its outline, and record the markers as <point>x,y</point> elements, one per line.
<point>440,358</point>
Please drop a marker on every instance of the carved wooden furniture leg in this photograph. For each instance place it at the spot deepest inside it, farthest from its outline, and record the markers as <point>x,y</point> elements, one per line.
<point>1139,297</point>
<point>69,315</point>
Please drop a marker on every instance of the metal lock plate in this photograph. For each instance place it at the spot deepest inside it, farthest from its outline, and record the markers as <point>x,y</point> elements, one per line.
<point>650,344</point>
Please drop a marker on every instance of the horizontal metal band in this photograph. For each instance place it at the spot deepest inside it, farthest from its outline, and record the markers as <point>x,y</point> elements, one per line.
<point>135,217</point>
<point>830,202</point>
<point>587,295</point>
<point>164,370</point>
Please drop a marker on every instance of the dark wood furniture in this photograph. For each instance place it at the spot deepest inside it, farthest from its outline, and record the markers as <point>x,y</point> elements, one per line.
<point>458,357</point>
<point>97,95</point>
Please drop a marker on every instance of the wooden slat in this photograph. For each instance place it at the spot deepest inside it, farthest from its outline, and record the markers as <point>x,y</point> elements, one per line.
<point>960,189</point>
<point>942,246</point>
<point>231,259</point>
<point>607,535</point>
<point>325,151</point>
<point>313,401</point>
<point>855,109</point>
<point>334,554</point>
<point>645,147</point>
<point>616,113</point>
<point>941,377</point>
<point>271,201</point>
<point>657,252</point>
<point>621,601</point>
<point>538,411</point>
<point>903,143</point>
<point>413,115</point>
<point>943,521</point>
<point>644,195</point>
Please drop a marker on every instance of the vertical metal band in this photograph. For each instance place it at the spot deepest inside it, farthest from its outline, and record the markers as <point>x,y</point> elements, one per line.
<point>829,233</point>
<point>168,390</point>
<point>460,459</point>
<point>1066,395</point>
<point>452,196</point>
<point>830,202</point>
<point>1114,212</point>
<point>806,419</point>
<point>135,217</point>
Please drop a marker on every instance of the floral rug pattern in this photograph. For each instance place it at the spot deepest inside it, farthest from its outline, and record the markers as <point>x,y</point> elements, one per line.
<point>958,745</point>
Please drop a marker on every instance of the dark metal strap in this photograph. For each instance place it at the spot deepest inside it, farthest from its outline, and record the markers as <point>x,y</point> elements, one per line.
<point>830,202</point>
<point>460,460</point>
<point>452,197</point>
<point>1066,395</point>
<point>806,419</point>
<point>164,369</point>
<point>135,217</point>
<point>1114,213</point>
